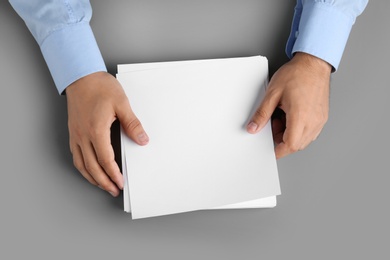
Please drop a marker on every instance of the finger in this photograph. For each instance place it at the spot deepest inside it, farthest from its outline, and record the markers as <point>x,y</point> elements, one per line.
<point>131,125</point>
<point>263,112</point>
<point>278,125</point>
<point>277,130</point>
<point>310,138</point>
<point>78,162</point>
<point>106,157</point>
<point>292,138</point>
<point>317,134</point>
<point>307,138</point>
<point>95,170</point>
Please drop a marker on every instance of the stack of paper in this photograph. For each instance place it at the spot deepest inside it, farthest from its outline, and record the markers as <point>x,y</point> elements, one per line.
<point>199,155</point>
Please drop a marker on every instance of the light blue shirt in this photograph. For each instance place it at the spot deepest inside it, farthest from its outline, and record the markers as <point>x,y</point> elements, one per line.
<point>63,32</point>
<point>321,28</point>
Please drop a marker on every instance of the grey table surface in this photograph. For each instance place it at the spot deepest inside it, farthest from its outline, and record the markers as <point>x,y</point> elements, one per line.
<point>334,202</point>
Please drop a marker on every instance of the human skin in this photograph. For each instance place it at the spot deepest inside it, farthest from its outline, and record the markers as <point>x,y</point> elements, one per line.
<point>94,103</point>
<point>298,96</point>
<point>299,90</point>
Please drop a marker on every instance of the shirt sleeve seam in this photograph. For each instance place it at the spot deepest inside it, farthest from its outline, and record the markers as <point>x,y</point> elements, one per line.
<point>327,5</point>
<point>61,28</point>
<point>70,11</point>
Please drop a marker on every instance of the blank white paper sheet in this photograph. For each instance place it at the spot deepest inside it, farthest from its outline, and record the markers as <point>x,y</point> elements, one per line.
<point>199,155</point>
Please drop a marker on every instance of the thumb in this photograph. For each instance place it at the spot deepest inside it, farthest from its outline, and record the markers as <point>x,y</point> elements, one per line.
<point>263,113</point>
<point>131,124</point>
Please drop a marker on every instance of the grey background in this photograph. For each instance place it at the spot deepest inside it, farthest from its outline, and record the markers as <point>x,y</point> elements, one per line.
<point>334,202</point>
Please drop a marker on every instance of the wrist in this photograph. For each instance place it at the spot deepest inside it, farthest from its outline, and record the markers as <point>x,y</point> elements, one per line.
<point>312,62</point>
<point>88,80</point>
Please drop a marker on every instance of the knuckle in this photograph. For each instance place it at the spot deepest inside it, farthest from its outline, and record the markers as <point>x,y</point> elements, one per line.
<point>303,114</point>
<point>122,101</point>
<point>106,162</point>
<point>133,124</point>
<point>90,180</point>
<point>73,147</point>
<point>261,113</point>
<point>95,132</point>
<point>314,125</point>
<point>76,132</point>
<point>292,147</point>
<point>78,164</point>
<point>91,168</point>
<point>319,122</point>
<point>105,184</point>
<point>272,91</point>
<point>325,118</point>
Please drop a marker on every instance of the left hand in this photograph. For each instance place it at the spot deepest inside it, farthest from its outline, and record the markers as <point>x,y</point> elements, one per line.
<point>94,103</point>
<point>299,93</point>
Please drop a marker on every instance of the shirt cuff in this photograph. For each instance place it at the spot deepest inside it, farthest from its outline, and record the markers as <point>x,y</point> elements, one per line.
<point>323,32</point>
<point>72,53</point>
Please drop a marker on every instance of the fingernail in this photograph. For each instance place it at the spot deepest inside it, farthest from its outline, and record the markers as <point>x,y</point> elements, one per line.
<point>100,187</point>
<point>252,127</point>
<point>143,138</point>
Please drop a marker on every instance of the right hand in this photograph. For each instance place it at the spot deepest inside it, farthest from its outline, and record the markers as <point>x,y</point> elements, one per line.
<point>299,92</point>
<point>94,103</point>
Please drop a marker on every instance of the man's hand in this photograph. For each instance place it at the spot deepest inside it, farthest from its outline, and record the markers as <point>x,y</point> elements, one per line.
<point>298,96</point>
<point>94,103</point>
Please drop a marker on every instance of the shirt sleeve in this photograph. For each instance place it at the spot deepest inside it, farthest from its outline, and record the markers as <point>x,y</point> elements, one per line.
<point>322,27</point>
<point>63,32</point>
